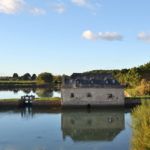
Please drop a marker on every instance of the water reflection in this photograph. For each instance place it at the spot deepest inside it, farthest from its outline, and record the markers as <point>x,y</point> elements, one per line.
<point>102,125</point>
<point>44,92</point>
<point>27,113</point>
<point>37,92</point>
<point>44,129</point>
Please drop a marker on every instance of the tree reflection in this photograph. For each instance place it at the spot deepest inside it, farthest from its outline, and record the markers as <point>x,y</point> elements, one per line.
<point>44,92</point>
<point>141,127</point>
<point>26,91</point>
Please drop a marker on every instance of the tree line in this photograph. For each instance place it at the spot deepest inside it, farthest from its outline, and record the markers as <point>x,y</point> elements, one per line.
<point>42,78</point>
<point>137,78</point>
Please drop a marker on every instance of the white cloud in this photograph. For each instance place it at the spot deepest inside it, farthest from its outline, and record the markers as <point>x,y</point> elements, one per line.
<point>80,2</point>
<point>59,8</point>
<point>89,35</point>
<point>37,11</point>
<point>11,6</point>
<point>91,5</point>
<point>144,36</point>
<point>108,36</point>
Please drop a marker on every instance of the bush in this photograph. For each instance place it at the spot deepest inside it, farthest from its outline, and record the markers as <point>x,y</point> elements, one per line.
<point>45,78</point>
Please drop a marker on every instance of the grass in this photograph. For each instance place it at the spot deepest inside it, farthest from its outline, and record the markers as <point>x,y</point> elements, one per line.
<point>20,82</point>
<point>9,99</point>
<point>48,98</point>
<point>141,127</point>
<point>41,99</point>
<point>131,92</point>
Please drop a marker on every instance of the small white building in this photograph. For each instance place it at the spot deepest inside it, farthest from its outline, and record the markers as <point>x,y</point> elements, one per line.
<point>91,90</point>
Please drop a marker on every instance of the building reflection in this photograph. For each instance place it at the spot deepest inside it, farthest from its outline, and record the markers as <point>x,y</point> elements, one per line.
<point>103,125</point>
<point>27,113</point>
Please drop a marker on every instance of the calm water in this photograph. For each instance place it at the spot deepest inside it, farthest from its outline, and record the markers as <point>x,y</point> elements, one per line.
<point>4,94</point>
<point>107,129</point>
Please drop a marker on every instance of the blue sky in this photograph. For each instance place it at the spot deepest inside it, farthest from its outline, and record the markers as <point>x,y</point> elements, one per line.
<point>66,36</point>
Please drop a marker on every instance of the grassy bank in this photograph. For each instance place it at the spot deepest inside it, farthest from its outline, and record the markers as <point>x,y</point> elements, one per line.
<point>132,92</point>
<point>141,127</point>
<point>9,99</point>
<point>49,98</point>
<point>40,99</point>
<point>138,97</point>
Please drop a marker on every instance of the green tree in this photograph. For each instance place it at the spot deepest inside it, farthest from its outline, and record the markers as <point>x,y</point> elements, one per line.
<point>133,77</point>
<point>33,77</point>
<point>57,79</point>
<point>45,78</point>
<point>15,76</point>
<point>143,88</point>
<point>26,76</point>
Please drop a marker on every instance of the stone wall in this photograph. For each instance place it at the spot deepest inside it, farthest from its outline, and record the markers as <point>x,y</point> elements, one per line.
<point>92,96</point>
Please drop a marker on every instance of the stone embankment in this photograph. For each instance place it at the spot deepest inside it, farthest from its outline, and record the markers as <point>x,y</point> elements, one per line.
<point>35,103</point>
<point>129,102</point>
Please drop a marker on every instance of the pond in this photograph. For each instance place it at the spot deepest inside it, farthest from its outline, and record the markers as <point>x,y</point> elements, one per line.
<point>27,129</point>
<point>39,92</point>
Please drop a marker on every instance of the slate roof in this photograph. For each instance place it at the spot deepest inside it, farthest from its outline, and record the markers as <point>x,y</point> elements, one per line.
<point>90,80</point>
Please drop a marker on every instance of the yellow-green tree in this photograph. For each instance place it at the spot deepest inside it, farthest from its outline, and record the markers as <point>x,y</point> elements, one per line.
<point>143,88</point>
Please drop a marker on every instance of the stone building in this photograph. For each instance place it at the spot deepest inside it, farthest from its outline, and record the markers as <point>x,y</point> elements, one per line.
<point>91,90</point>
<point>102,125</point>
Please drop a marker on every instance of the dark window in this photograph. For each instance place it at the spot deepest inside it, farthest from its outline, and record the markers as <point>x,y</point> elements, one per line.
<point>77,81</point>
<point>109,96</point>
<point>92,81</point>
<point>89,95</point>
<point>89,106</point>
<point>72,95</point>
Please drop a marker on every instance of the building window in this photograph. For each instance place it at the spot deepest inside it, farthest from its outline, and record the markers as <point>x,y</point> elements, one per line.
<point>110,96</point>
<point>72,95</point>
<point>113,81</point>
<point>89,95</point>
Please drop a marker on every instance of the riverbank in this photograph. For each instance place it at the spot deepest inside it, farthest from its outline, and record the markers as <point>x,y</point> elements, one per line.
<point>21,84</point>
<point>49,102</point>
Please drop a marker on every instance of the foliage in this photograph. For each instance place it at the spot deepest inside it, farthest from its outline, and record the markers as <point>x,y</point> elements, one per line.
<point>33,77</point>
<point>26,76</point>
<point>57,79</point>
<point>145,67</point>
<point>129,77</point>
<point>45,78</point>
<point>15,76</point>
<point>143,88</point>
<point>141,127</point>
<point>44,92</point>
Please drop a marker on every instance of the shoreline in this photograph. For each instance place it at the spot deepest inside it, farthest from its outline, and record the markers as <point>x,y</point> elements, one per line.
<point>56,103</point>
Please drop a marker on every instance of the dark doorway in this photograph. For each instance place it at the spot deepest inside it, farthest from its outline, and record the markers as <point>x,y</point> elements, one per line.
<point>88,106</point>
